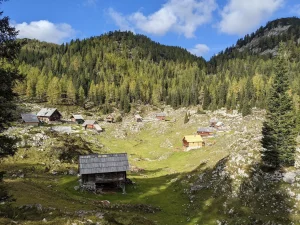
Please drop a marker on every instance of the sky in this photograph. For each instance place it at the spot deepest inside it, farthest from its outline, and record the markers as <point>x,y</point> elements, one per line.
<point>203,27</point>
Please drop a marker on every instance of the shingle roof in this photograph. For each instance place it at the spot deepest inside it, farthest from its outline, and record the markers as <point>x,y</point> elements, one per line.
<point>205,129</point>
<point>97,127</point>
<point>161,114</point>
<point>219,123</point>
<point>89,122</point>
<point>46,112</point>
<point>193,138</point>
<point>29,118</point>
<point>103,163</point>
<point>78,117</point>
<point>138,116</point>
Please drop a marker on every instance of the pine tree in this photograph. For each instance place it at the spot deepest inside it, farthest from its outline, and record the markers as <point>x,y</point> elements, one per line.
<point>81,95</point>
<point>206,100</point>
<point>9,74</point>
<point>279,131</point>
<point>186,118</point>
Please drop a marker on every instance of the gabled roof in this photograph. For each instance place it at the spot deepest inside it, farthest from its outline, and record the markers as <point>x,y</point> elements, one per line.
<point>89,122</point>
<point>30,118</point>
<point>47,112</point>
<point>138,116</point>
<point>205,129</point>
<point>219,123</point>
<point>97,127</point>
<point>103,163</point>
<point>193,138</point>
<point>77,117</point>
<point>160,114</point>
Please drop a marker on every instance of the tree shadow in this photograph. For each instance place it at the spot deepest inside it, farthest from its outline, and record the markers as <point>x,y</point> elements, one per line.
<point>261,198</point>
<point>206,195</point>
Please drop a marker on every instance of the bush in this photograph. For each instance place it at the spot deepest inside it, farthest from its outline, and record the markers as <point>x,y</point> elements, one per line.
<point>119,119</point>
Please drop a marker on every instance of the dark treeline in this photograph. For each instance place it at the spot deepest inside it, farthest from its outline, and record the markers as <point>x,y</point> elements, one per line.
<point>119,68</point>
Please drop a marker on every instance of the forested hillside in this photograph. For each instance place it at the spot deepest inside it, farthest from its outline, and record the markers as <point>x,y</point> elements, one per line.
<point>120,68</point>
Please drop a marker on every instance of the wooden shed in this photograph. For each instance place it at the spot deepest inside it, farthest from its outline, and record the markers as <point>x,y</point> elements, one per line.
<point>205,131</point>
<point>109,119</point>
<point>161,116</point>
<point>213,122</point>
<point>138,118</point>
<point>49,114</point>
<point>100,171</point>
<point>89,124</point>
<point>77,118</point>
<point>30,119</point>
<point>192,142</point>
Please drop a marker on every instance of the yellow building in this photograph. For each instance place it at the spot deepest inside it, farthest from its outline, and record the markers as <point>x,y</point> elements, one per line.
<point>192,142</point>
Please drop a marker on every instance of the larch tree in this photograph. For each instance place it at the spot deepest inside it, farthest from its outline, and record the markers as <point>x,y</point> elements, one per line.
<point>279,133</point>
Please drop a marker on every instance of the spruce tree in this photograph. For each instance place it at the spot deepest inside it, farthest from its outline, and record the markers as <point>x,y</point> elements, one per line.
<point>279,131</point>
<point>186,118</point>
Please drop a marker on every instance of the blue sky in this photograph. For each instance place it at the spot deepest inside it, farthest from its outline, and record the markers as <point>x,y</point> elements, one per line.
<point>204,27</point>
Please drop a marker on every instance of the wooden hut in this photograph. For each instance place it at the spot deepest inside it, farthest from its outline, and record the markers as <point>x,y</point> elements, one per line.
<point>99,171</point>
<point>77,118</point>
<point>161,116</point>
<point>49,114</point>
<point>219,125</point>
<point>138,118</point>
<point>30,119</point>
<point>109,119</point>
<point>205,131</point>
<point>213,122</point>
<point>192,142</point>
<point>89,124</point>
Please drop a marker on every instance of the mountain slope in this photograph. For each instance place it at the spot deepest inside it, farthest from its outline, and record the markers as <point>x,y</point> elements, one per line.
<point>118,67</point>
<point>264,42</point>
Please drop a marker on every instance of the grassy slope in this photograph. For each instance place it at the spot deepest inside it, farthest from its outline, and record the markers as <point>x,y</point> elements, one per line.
<point>161,184</point>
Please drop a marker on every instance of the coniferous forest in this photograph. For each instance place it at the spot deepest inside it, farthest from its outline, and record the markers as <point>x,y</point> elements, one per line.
<point>120,68</point>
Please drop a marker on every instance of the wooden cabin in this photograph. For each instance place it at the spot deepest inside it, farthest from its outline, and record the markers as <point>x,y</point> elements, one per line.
<point>138,118</point>
<point>49,114</point>
<point>109,119</point>
<point>30,119</point>
<point>192,142</point>
<point>213,122</point>
<point>77,118</point>
<point>103,170</point>
<point>89,124</point>
<point>161,116</point>
<point>205,131</point>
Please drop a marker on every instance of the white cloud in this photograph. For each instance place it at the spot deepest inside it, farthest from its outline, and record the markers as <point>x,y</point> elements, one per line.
<point>241,16</point>
<point>120,20</point>
<point>199,49</point>
<point>180,16</point>
<point>44,30</point>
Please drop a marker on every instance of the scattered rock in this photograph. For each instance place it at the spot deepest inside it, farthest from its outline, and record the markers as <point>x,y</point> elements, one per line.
<point>289,177</point>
